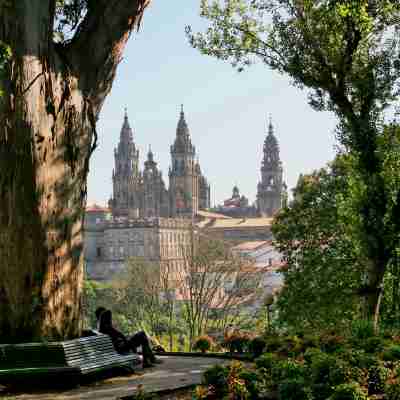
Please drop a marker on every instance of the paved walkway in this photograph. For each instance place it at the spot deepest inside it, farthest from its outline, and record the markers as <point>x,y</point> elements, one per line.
<point>174,373</point>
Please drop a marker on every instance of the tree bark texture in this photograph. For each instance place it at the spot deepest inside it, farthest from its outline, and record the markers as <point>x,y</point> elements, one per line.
<point>53,94</point>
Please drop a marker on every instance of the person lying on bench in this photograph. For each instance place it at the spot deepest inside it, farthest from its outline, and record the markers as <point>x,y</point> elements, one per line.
<point>121,343</point>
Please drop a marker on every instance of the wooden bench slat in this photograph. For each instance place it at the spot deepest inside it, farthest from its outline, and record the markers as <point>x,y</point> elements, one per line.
<point>83,349</point>
<point>96,359</point>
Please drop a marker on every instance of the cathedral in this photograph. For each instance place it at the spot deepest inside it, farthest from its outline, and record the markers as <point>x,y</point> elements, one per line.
<point>143,194</point>
<point>146,219</point>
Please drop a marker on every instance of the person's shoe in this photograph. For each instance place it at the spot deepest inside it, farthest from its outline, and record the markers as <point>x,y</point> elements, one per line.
<point>147,364</point>
<point>157,361</point>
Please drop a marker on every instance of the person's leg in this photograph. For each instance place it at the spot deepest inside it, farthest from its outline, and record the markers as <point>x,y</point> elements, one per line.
<point>141,339</point>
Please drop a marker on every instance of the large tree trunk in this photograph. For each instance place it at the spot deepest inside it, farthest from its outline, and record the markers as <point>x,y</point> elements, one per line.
<point>47,132</point>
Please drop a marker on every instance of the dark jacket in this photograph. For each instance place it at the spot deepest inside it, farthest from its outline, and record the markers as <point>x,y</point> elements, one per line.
<point>118,339</point>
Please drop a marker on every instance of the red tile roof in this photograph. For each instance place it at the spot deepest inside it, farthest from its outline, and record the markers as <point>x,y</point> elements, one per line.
<point>96,208</point>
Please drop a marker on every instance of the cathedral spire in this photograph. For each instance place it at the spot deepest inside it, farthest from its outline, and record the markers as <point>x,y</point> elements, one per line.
<point>270,126</point>
<point>183,144</point>
<point>126,135</point>
<point>150,156</point>
<point>182,128</point>
<point>271,146</point>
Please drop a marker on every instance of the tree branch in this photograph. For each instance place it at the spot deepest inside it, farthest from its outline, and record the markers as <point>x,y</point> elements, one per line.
<point>98,44</point>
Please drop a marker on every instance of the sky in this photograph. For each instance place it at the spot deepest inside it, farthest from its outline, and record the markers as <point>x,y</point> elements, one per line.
<point>227,112</point>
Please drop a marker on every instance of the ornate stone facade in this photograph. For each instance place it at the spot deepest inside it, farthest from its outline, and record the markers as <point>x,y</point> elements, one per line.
<point>143,194</point>
<point>271,190</point>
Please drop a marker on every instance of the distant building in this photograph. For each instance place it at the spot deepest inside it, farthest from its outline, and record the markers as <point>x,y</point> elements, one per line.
<point>268,262</point>
<point>237,230</point>
<point>271,190</point>
<point>143,194</point>
<point>237,206</point>
<point>110,241</point>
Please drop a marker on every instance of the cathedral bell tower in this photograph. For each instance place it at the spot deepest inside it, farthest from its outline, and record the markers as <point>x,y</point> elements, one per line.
<point>183,176</point>
<point>155,202</point>
<point>270,189</point>
<point>125,173</point>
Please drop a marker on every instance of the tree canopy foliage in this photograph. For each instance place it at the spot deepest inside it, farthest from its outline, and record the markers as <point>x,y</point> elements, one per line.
<point>323,271</point>
<point>347,54</point>
<point>325,279</point>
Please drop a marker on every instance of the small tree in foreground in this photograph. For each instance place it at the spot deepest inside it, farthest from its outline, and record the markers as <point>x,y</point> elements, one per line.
<point>323,272</point>
<point>216,286</point>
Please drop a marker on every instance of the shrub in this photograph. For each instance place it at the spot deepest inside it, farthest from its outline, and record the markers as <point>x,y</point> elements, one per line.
<point>321,391</point>
<point>294,389</point>
<point>392,392</point>
<point>236,384</point>
<point>200,393</point>
<point>359,358</point>
<point>362,329</point>
<point>392,353</point>
<point>257,346</point>
<point>341,372</point>
<point>216,377</point>
<point>287,370</point>
<point>274,343</point>
<point>310,341</point>
<point>372,344</point>
<point>396,369</point>
<point>251,380</point>
<point>321,366</point>
<point>348,391</point>
<point>330,342</point>
<point>221,381</point>
<point>311,353</point>
<point>292,346</point>
<point>266,362</point>
<point>377,376</point>
<point>203,343</point>
<point>237,342</point>
<point>326,372</point>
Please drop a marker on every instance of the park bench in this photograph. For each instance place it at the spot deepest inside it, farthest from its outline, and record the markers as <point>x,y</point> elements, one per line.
<point>72,358</point>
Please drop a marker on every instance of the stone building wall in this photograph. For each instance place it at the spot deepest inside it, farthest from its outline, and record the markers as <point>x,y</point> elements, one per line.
<point>108,244</point>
